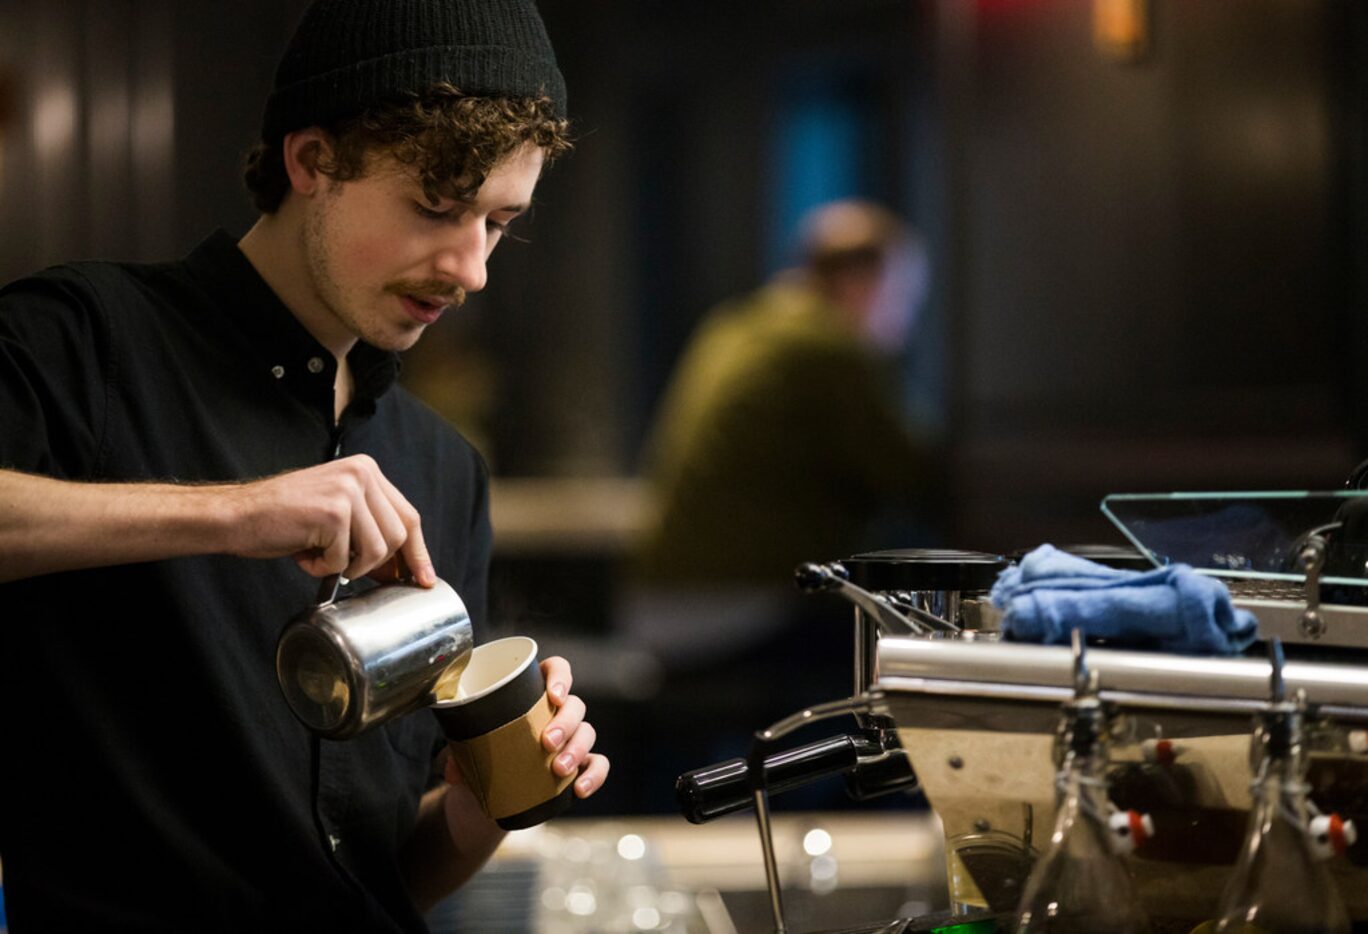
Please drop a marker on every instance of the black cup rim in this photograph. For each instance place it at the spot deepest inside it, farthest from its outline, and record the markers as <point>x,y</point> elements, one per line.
<point>509,698</point>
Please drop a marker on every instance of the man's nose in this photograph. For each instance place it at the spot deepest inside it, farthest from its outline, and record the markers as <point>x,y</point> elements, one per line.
<point>461,259</point>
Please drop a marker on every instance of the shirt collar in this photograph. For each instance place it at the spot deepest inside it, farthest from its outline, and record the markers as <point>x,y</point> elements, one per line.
<point>287,352</point>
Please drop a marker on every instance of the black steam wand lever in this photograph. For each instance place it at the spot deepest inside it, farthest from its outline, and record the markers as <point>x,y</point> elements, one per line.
<point>834,578</point>
<point>712,791</point>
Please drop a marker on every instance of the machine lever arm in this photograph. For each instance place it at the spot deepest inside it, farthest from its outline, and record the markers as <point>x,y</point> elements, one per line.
<point>833,578</point>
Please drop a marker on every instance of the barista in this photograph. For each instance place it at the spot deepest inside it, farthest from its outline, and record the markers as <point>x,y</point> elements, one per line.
<point>184,445</point>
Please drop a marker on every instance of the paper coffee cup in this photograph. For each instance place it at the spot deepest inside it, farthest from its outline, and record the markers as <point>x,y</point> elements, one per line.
<point>494,725</point>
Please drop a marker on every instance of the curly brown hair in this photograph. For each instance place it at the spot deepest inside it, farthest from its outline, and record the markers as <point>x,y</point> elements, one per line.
<point>452,142</point>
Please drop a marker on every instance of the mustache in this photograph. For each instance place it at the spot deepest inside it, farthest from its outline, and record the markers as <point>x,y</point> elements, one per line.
<point>428,288</point>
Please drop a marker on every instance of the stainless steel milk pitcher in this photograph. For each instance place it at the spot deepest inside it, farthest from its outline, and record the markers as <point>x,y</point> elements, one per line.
<point>348,664</point>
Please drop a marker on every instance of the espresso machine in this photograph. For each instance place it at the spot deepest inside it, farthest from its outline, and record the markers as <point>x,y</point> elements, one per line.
<point>942,703</point>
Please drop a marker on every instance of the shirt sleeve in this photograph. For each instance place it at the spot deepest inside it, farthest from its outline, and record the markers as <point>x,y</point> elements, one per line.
<point>55,368</point>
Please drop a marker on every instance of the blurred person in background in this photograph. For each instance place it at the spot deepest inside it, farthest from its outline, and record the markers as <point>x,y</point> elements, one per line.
<point>184,444</point>
<point>781,439</point>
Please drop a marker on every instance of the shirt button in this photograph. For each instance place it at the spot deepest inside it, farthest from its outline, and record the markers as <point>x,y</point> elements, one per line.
<point>334,841</point>
<point>315,364</point>
<point>277,371</point>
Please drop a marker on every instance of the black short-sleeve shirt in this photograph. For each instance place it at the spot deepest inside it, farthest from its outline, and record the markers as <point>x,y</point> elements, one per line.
<point>153,777</point>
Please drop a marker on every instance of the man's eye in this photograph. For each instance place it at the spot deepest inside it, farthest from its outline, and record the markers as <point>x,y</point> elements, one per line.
<point>427,212</point>
<point>498,226</point>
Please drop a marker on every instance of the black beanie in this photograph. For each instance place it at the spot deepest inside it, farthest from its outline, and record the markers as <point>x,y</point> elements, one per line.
<point>348,55</point>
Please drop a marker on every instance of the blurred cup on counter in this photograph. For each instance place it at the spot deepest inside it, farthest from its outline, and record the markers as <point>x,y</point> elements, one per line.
<point>494,724</point>
<point>986,871</point>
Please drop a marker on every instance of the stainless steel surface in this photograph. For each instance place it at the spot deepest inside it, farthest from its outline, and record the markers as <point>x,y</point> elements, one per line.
<point>347,665</point>
<point>937,613</point>
<point>817,712</point>
<point>1139,675</point>
<point>878,614</point>
<point>1023,708</point>
<point>940,605</point>
<point>762,820</point>
<point>1335,624</point>
<point>866,652</point>
<point>1312,561</point>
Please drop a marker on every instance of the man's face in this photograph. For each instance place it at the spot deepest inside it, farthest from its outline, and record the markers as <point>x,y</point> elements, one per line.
<point>385,262</point>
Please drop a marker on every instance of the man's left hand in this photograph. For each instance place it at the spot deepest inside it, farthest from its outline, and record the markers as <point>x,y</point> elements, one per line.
<point>569,734</point>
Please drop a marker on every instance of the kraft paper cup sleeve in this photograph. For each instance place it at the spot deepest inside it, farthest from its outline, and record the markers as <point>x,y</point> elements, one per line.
<point>509,771</point>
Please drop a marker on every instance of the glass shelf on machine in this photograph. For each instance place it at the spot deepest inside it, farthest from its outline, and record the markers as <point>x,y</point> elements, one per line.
<point>1251,536</point>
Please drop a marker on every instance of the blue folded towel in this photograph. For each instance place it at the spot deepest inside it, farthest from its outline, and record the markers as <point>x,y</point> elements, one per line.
<point>1173,608</point>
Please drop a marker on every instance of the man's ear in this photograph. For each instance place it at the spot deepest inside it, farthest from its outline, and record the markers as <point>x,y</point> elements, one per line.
<point>302,151</point>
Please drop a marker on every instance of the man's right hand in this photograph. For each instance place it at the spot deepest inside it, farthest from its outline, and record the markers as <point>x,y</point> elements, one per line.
<point>342,517</point>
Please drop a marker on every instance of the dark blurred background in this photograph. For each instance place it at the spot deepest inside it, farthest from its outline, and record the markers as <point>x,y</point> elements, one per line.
<point>1146,223</point>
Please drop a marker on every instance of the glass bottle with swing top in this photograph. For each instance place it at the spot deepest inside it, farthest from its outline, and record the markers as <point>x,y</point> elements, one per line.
<point>1082,884</point>
<point>1281,882</point>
